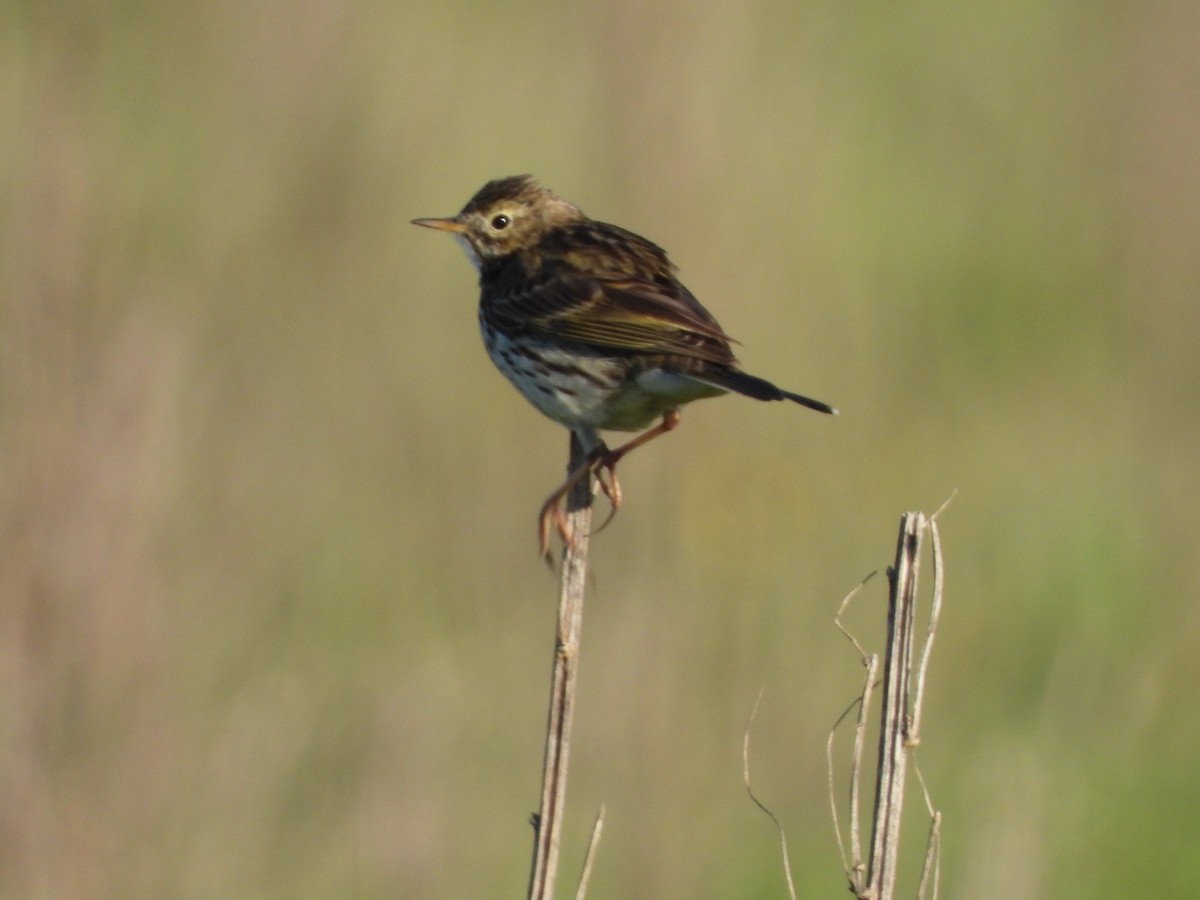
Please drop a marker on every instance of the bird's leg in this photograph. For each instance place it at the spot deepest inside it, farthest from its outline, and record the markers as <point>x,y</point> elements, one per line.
<point>609,458</point>
<point>552,510</point>
<point>607,461</point>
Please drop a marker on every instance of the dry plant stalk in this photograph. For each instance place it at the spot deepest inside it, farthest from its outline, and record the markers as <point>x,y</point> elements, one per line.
<point>547,824</point>
<point>903,690</point>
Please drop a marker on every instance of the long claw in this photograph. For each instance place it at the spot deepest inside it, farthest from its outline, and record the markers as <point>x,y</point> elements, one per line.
<point>612,512</point>
<point>551,514</point>
<point>611,489</point>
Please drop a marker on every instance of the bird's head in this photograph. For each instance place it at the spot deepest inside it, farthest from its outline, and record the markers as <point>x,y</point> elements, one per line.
<point>506,216</point>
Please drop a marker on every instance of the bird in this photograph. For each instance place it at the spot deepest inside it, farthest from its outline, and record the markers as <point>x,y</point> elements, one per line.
<point>590,322</point>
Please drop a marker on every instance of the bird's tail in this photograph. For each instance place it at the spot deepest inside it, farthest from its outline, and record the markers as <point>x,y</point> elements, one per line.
<point>759,389</point>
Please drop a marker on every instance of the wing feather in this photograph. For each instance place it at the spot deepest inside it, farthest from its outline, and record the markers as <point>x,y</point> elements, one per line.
<point>628,315</point>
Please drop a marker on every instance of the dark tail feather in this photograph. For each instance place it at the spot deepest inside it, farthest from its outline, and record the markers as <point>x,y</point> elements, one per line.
<point>810,403</point>
<point>759,389</point>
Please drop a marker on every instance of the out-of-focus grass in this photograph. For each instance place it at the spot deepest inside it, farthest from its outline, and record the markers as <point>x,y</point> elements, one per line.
<point>271,616</point>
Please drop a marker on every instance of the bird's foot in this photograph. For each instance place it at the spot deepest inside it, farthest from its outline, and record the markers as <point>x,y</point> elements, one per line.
<point>553,514</point>
<point>601,463</point>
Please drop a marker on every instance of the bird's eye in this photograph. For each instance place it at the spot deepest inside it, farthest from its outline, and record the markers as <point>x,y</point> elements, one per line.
<point>501,222</point>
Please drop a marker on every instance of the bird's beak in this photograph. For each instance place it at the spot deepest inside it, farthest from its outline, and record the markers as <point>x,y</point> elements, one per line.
<point>442,224</point>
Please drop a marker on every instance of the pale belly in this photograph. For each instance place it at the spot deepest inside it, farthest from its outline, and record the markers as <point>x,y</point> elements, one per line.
<point>605,398</point>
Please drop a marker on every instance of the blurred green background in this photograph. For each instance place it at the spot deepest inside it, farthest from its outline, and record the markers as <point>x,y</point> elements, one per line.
<point>271,618</point>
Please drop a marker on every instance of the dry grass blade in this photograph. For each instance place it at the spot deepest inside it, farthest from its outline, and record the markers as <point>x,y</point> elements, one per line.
<point>783,847</point>
<point>852,858</point>
<point>590,856</point>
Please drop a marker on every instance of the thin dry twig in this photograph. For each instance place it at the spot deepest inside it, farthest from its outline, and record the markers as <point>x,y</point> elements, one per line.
<point>852,862</point>
<point>547,824</point>
<point>783,847</point>
<point>847,865</point>
<point>935,613</point>
<point>856,764</point>
<point>837,617</point>
<point>931,867</point>
<point>933,845</point>
<point>589,858</point>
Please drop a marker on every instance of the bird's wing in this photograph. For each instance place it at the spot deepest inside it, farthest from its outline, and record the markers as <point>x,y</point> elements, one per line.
<point>629,315</point>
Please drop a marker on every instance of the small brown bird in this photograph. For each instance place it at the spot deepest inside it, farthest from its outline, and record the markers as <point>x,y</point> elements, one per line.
<point>592,326</point>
